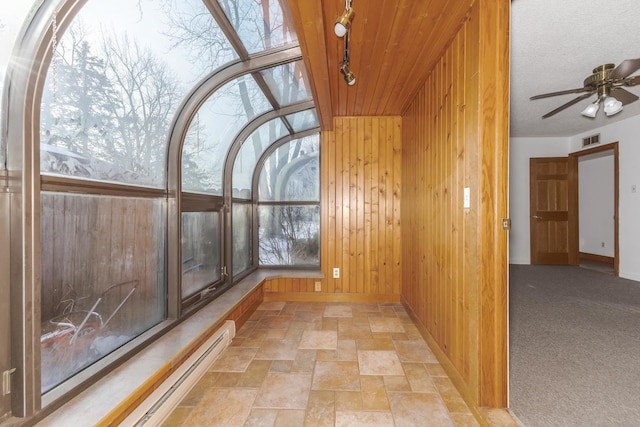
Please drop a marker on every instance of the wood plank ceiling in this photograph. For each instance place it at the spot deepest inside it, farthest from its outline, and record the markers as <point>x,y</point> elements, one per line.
<point>393,48</point>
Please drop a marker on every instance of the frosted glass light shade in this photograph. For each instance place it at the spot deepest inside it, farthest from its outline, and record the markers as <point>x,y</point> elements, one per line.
<point>591,110</point>
<point>612,106</point>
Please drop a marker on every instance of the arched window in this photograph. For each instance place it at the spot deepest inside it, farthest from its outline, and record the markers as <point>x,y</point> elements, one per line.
<point>141,109</point>
<point>289,204</point>
<point>116,80</point>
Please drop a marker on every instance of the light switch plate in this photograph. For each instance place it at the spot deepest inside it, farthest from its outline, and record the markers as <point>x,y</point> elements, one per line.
<point>467,198</point>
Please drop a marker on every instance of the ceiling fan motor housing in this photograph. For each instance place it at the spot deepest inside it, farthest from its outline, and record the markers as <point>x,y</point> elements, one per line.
<point>600,79</point>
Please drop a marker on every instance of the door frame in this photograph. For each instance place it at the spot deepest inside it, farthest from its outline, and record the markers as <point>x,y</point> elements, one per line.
<point>5,295</point>
<point>573,198</point>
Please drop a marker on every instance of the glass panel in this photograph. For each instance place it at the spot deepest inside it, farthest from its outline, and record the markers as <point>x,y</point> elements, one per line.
<point>303,120</point>
<point>289,235</point>
<point>194,31</point>
<point>201,258</point>
<point>249,154</point>
<point>242,248</point>
<point>12,17</point>
<point>214,128</point>
<point>288,82</point>
<point>103,277</point>
<point>292,172</point>
<point>260,24</point>
<point>117,77</point>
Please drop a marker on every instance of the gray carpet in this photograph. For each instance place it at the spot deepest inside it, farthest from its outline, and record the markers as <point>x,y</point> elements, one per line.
<point>574,347</point>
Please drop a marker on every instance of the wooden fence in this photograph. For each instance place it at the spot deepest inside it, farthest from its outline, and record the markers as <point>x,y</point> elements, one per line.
<point>90,243</point>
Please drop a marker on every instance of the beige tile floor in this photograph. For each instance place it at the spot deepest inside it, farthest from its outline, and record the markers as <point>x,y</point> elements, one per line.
<point>325,364</point>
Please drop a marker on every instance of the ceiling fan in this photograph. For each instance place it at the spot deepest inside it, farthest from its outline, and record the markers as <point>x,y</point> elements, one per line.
<point>608,82</point>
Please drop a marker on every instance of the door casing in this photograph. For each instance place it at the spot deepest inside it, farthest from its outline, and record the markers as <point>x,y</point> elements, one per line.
<point>573,193</point>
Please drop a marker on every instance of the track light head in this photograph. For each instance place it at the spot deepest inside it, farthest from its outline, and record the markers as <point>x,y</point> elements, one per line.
<point>344,22</point>
<point>349,77</point>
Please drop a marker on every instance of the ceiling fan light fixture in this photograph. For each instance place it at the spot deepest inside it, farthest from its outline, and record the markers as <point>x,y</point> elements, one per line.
<point>612,106</point>
<point>591,110</point>
<point>344,22</point>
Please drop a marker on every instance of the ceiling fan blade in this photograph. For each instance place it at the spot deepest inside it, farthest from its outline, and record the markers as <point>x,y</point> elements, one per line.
<point>631,81</point>
<point>568,104</point>
<point>623,95</point>
<point>625,68</point>
<point>562,92</point>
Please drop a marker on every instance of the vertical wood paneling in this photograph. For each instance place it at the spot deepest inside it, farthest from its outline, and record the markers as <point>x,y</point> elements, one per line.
<point>454,136</point>
<point>360,200</point>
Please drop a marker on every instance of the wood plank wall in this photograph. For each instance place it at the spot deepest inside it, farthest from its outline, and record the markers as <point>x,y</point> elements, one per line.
<point>439,160</point>
<point>360,220</point>
<point>451,132</point>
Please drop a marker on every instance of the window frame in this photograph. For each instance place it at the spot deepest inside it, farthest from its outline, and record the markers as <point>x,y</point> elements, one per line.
<point>256,198</point>
<point>25,182</point>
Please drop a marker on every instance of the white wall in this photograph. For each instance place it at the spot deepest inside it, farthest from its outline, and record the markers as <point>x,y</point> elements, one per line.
<point>520,151</point>
<point>596,200</point>
<point>627,133</point>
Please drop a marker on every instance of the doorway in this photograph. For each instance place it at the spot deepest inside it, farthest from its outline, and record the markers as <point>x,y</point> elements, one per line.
<point>597,201</point>
<point>574,208</point>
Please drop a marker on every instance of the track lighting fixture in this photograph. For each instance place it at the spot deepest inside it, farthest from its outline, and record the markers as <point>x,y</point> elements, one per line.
<point>343,23</point>
<point>349,77</point>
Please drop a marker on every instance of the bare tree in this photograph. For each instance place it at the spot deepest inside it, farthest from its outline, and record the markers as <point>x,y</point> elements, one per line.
<point>147,95</point>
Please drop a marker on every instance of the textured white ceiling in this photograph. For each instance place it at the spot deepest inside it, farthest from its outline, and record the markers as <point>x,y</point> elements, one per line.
<point>555,44</point>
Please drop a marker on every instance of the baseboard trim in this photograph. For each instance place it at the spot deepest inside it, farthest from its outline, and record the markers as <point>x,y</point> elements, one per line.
<point>486,417</point>
<point>597,258</point>
<point>327,297</point>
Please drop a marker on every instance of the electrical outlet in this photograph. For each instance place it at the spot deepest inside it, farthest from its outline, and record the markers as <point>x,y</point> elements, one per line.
<point>603,244</point>
<point>633,188</point>
<point>336,273</point>
<point>318,286</point>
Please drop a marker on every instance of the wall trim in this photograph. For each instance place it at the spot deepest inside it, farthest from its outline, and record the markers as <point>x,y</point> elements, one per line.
<point>484,415</point>
<point>326,297</point>
<point>597,258</point>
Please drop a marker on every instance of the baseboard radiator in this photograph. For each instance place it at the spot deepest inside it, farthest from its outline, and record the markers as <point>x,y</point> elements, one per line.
<point>156,408</point>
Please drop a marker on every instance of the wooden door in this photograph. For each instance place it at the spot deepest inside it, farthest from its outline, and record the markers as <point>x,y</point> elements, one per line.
<point>552,219</point>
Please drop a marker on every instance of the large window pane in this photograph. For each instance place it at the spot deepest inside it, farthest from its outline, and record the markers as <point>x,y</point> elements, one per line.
<point>250,152</point>
<point>200,251</point>
<point>260,24</point>
<point>213,129</point>
<point>117,76</point>
<point>288,82</point>
<point>12,17</point>
<point>242,248</point>
<point>303,120</point>
<point>289,235</point>
<point>292,172</point>
<point>103,277</point>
